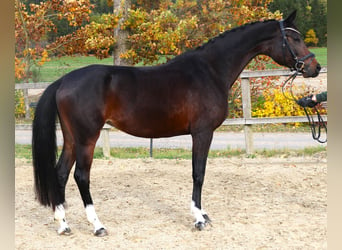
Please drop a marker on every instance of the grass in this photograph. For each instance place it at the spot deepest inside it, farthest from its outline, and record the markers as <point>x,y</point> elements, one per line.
<point>321,55</point>
<point>59,66</point>
<point>264,128</point>
<point>24,151</point>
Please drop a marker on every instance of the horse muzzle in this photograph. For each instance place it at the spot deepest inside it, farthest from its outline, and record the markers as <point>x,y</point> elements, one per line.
<point>311,70</point>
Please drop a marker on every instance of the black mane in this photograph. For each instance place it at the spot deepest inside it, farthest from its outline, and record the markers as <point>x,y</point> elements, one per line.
<point>228,32</point>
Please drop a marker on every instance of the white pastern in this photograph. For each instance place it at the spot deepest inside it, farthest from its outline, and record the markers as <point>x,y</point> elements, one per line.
<point>197,213</point>
<point>60,217</point>
<point>92,218</point>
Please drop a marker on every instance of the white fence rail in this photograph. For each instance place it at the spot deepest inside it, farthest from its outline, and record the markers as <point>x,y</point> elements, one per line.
<point>247,120</point>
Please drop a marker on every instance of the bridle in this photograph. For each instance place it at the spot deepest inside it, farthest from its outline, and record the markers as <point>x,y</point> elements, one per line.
<point>300,64</point>
<point>299,68</point>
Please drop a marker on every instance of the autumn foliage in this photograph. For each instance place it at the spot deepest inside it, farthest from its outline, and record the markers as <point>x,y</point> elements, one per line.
<point>311,38</point>
<point>94,38</point>
<point>32,26</point>
<point>160,30</point>
<point>181,25</point>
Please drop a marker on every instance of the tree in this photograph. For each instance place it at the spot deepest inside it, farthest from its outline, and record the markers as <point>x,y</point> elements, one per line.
<point>32,27</point>
<point>177,26</point>
<point>311,14</point>
<point>121,8</point>
<point>310,38</point>
<point>319,20</point>
<point>95,38</point>
<point>170,29</point>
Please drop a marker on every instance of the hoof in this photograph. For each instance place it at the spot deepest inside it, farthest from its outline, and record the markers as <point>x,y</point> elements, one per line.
<point>65,231</point>
<point>200,225</point>
<point>101,232</point>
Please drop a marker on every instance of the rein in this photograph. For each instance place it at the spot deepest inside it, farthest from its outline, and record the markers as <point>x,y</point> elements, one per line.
<point>315,129</point>
<point>299,66</point>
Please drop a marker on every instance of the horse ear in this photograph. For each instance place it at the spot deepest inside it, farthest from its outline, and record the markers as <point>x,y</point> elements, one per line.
<point>290,19</point>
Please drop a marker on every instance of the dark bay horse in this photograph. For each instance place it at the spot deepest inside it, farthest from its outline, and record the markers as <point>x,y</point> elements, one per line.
<point>187,95</point>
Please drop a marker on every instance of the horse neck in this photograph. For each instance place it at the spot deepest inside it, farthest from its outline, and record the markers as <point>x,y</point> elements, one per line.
<point>229,54</point>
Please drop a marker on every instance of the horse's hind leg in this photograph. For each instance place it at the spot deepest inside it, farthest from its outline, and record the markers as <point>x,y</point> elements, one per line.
<point>84,158</point>
<point>64,166</point>
<point>200,149</point>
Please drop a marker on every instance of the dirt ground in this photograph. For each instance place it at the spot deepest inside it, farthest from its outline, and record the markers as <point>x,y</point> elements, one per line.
<point>261,203</point>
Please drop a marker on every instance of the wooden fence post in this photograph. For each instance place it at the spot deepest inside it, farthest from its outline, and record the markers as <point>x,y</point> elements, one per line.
<point>27,104</point>
<point>246,107</point>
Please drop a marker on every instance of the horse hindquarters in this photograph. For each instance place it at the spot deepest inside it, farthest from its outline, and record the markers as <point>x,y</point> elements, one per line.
<point>81,121</point>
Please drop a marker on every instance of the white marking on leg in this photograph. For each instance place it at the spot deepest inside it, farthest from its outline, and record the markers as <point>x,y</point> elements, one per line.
<point>60,217</point>
<point>92,218</point>
<point>197,213</point>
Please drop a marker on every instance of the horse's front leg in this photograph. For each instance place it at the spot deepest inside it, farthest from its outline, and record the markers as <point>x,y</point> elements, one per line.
<point>200,148</point>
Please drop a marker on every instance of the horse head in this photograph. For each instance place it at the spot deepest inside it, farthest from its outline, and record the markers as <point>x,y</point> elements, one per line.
<point>292,51</point>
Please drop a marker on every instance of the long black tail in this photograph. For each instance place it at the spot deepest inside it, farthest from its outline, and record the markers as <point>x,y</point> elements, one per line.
<point>44,147</point>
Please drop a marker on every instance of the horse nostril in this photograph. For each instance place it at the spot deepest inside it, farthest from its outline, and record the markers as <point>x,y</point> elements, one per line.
<point>318,67</point>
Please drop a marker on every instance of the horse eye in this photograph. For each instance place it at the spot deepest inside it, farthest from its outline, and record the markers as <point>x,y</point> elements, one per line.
<point>295,38</point>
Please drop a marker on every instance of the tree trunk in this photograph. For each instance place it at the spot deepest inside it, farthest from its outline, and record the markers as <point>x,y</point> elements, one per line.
<point>121,6</point>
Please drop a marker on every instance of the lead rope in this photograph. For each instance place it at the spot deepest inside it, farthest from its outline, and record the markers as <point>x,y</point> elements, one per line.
<point>316,134</point>
<point>315,129</point>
